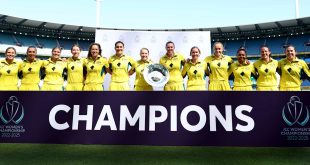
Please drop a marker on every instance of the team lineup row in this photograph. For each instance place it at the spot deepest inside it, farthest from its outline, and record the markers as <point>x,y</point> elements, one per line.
<point>88,73</point>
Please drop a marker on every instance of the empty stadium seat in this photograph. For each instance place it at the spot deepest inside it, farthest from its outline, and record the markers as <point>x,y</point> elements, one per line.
<point>25,40</point>
<point>6,39</point>
<point>299,42</point>
<point>276,44</point>
<point>253,45</point>
<point>47,42</point>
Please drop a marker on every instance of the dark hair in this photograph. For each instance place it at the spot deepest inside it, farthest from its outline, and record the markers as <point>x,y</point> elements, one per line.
<point>76,45</point>
<point>57,47</point>
<point>30,47</point>
<point>265,46</point>
<point>145,49</point>
<point>242,49</point>
<point>290,46</point>
<point>169,42</point>
<point>119,42</point>
<point>7,49</point>
<point>90,46</point>
<point>194,48</point>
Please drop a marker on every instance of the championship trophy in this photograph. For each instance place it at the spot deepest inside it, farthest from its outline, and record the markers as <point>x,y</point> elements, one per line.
<point>156,75</point>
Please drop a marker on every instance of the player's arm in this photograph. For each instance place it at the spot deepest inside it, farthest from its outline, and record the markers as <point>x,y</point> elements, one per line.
<point>65,70</point>
<point>184,71</point>
<point>183,60</point>
<point>43,70</point>
<point>208,69</point>
<point>256,75</point>
<point>253,72</point>
<point>20,74</point>
<point>84,72</point>
<point>133,65</point>
<point>305,71</point>
<point>230,62</point>
<point>109,66</point>
<point>279,70</point>
<point>20,70</point>
<point>131,71</point>
<point>230,72</point>
<point>105,65</point>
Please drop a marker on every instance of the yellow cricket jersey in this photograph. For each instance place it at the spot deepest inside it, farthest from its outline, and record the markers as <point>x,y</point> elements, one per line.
<point>218,68</point>
<point>30,72</point>
<point>139,68</point>
<point>95,70</point>
<point>9,75</point>
<point>54,72</point>
<point>291,72</point>
<point>75,70</point>
<point>120,66</point>
<point>242,74</point>
<point>174,66</point>
<point>196,73</point>
<point>266,73</point>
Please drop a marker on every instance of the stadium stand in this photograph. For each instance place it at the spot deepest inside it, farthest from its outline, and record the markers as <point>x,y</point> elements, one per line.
<point>46,42</point>
<point>299,42</point>
<point>24,40</point>
<point>40,42</point>
<point>6,38</point>
<point>25,32</point>
<point>276,35</point>
<point>252,45</point>
<point>276,44</point>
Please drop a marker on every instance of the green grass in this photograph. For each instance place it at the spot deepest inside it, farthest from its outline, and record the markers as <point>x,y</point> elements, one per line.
<point>103,154</point>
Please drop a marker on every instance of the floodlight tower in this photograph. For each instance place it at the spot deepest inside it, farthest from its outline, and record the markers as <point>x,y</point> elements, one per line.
<point>297,8</point>
<point>98,5</point>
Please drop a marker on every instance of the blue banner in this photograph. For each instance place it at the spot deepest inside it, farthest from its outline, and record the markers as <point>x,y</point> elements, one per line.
<point>156,118</point>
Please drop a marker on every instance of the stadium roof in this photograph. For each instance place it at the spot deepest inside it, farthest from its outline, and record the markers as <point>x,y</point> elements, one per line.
<point>32,27</point>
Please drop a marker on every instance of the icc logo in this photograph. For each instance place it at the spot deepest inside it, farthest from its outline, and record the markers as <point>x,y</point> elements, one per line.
<point>295,112</point>
<point>12,111</point>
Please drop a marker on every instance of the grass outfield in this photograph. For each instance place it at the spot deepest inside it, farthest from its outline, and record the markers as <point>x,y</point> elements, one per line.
<point>103,154</point>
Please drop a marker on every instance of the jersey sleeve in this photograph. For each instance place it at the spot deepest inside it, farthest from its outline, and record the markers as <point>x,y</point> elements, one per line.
<point>110,60</point>
<point>253,69</point>
<point>207,63</point>
<point>20,66</point>
<point>279,67</point>
<point>182,58</point>
<point>65,64</point>
<point>230,61</point>
<point>44,63</point>
<point>161,61</point>
<point>231,68</point>
<point>105,62</point>
<point>185,69</point>
<point>306,69</point>
<point>133,62</point>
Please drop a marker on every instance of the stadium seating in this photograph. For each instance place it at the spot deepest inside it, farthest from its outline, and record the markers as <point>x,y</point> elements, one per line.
<point>84,44</point>
<point>275,43</point>
<point>65,43</point>
<point>299,42</point>
<point>6,39</point>
<point>25,40</point>
<point>47,42</point>
<point>252,45</point>
<point>41,42</point>
<point>232,47</point>
<point>307,60</point>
